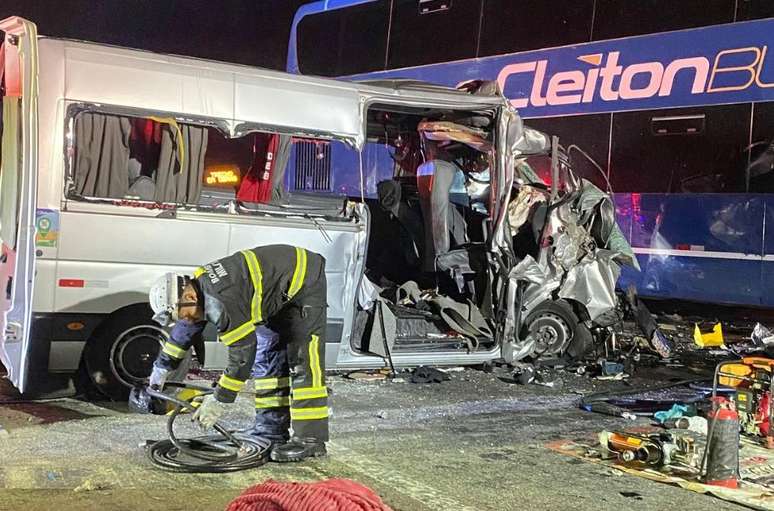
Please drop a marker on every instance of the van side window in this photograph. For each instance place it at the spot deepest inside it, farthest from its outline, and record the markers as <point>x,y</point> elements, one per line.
<point>151,159</point>
<point>161,160</point>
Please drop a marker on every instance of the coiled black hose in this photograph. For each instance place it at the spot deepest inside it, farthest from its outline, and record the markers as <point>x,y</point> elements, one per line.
<point>225,451</point>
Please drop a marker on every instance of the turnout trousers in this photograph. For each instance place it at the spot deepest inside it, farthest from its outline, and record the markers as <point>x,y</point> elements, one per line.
<point>289,369</point>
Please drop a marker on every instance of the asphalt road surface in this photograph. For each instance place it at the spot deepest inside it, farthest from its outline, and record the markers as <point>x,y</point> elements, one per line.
<point>473,443</point>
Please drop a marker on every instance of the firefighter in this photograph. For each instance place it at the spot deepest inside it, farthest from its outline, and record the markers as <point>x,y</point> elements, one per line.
<point>269,306</point>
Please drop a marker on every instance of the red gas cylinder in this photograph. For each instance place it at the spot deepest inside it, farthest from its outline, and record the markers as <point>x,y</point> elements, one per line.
<point>723,444</point>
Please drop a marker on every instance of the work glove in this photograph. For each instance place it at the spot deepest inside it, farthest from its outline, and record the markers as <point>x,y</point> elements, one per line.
<point>158,378</point>
<point>209,411</point>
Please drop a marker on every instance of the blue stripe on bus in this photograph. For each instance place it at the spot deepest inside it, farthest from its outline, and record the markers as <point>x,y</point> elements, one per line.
<point>665,70</point>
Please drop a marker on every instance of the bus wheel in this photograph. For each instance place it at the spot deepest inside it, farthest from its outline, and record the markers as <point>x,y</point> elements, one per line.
<point>121,352</point>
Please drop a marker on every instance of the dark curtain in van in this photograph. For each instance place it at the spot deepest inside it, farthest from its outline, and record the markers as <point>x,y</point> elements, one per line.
<point>101,155</point>
<point>181,163</point>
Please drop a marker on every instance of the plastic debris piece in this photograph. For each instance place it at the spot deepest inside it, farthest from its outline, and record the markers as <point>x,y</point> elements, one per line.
<point>611,368</point>
<point>673,413</point>
<point>709,340</point>
<point>524,374</point>
<point>662,344</point>
<point>762,336</point>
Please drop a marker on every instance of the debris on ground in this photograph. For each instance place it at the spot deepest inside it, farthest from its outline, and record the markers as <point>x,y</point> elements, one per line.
<point>425,374</point>
<point>677,411</point>
<point>379,375</point>
<point>713,339</point>
<point>89,485</point>
<point>696,424</point>
<point>609,368</point>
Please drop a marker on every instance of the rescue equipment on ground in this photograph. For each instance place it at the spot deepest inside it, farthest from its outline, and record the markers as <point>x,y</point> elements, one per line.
<point>722,452</point>
<point>751,380</point>
<point>224,451</point>
<point>339,494</point>
<point>654,449</point>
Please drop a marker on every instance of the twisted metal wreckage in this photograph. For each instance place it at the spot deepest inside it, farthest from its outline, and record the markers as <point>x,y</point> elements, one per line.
<point>555,298</point>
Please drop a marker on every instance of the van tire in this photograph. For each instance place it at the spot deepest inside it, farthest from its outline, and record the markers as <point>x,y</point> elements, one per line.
<point>120,354</point>
<point>552,320</point>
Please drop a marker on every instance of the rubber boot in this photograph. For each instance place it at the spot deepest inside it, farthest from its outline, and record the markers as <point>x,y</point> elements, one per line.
<point>298,449</point>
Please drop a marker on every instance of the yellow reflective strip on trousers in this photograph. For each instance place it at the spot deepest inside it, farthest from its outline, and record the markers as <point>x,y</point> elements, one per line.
<point>309,393</point>
<point>282,382</point>
<point>237,334</point>
<point>173,350</point>
<point>254,267</point>
<point>299,274</point>
<point>314,361</point>
<point>309,414</point>
<point>272,402</point>
<point>230,383</point>
<point>198,272</point>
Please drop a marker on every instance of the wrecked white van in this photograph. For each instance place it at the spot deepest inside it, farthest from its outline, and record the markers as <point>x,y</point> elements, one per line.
<point>118,165</point>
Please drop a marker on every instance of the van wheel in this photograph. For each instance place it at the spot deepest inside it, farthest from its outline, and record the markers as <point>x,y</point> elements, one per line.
<point>557,331</point>
<point>120,353</point>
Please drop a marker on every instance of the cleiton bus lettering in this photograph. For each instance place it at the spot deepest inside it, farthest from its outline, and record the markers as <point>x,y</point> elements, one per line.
<point>606,79</point>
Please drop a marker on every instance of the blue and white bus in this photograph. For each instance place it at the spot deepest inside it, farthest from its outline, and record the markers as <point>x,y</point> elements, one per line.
<point>675,100</point>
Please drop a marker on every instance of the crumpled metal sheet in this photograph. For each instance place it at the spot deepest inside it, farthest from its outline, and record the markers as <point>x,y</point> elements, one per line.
<point>592,283</point>
<point>528,270</point>
<point>522,141</point>
<point>570,239</point>
<point>530,142</point>
<point>614,240</point>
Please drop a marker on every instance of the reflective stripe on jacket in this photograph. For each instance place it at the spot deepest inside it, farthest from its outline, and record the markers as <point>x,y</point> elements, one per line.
<point>253,285</point>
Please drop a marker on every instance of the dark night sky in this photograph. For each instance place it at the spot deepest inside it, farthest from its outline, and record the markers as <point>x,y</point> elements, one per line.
<point>253,32</point>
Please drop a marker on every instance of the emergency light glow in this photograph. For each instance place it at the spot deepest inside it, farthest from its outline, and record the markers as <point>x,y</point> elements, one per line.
<point>221,175</point>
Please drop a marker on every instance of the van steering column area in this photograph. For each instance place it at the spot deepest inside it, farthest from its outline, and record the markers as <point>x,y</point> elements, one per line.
<point>276,286</point>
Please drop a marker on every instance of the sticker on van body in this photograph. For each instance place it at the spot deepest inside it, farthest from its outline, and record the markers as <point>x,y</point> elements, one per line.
<point>47,227</point>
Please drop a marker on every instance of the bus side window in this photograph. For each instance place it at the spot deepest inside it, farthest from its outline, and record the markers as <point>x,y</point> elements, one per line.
<point>623,18</point>
<point>344,41</point>
<point>533,25</point>
<point>761,151</point>
<point>437,36</point>
<point>682,150</point>
<point>755,10</point>
<point>591,133</point>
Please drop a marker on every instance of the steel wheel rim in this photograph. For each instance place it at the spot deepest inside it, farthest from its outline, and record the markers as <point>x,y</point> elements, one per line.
<point>142,343</point>
<point>551,333</point>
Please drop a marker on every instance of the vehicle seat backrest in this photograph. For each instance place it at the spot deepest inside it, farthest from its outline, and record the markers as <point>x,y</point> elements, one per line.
<point>143,188</point>
<point>406,214</point>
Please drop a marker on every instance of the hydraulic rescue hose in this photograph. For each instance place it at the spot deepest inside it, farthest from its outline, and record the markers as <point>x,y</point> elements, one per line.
<point>598,401</point>
<point>226,451</point>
